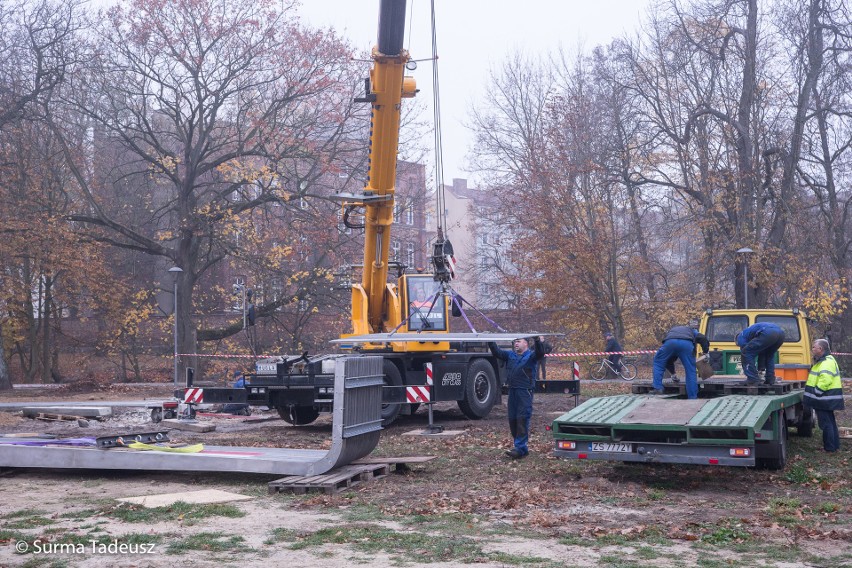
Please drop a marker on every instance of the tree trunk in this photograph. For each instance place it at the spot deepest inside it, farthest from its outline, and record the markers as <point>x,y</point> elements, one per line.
<point>5,379</point>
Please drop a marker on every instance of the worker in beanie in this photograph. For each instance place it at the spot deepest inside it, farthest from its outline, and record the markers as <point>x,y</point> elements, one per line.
<point>521,367</point>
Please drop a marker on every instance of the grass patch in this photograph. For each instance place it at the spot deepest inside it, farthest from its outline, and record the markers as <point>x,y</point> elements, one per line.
<point>44,562</point>
<point>648,535</point>
<point>801,473</point>
<point>360,512</point>
<point>514,560</point>
<point>24,513</point>
<point>282,535</point>
<point>180,511</point>
<point>28,522</point>
<point>208,541</point>
<point>370,539</point>
<point>728,531</point>
<point>7,535</point>
<point>656,495</point>
<point>81,515</point>
<point>828,508</point>
<point>619,562</point>
<point>786,511</point>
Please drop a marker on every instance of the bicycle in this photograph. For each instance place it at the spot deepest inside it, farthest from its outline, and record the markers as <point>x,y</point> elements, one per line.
<point>599,371</point>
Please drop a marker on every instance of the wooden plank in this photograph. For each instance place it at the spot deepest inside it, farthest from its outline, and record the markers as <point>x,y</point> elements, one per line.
<point>406,459</point>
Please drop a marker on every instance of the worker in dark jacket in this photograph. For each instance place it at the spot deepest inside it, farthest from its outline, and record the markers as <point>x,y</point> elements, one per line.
<point>612,345</point>
<point>521,368</point>
<point>760,341</point>
<point>824,393</point>
<point>542,365</point>
<point>679,343</point>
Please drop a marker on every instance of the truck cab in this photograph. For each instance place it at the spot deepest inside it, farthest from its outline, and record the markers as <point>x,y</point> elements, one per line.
<point>722,326</point>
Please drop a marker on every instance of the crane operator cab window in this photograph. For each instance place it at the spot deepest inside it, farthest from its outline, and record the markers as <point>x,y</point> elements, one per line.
<point>427,308</point>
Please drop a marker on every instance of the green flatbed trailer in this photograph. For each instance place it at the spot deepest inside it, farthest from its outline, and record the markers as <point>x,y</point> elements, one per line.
<point>730,424</point>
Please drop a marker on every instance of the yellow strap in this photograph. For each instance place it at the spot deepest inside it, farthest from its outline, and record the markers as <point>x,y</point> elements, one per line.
<point>194,449</point>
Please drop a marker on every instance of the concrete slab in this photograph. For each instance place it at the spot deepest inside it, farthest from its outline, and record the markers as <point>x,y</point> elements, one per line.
<point>203,497</point>
<point>427,433</point>
<point>81,411</point>
<point>188,425</point>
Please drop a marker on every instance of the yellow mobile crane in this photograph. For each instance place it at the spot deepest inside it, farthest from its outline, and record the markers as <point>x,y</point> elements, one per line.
<point>383,312</point>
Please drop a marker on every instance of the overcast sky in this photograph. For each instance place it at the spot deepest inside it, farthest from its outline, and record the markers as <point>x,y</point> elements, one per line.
<point>474,36</point>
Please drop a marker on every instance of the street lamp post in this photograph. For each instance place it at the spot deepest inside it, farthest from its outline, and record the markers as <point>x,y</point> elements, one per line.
<point>175,271</point>
<point>745,251</point>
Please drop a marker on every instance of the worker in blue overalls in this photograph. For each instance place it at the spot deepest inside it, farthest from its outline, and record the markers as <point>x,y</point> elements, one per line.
<point>679,343</point>
<point>521,368</point>
<point>760,342</point>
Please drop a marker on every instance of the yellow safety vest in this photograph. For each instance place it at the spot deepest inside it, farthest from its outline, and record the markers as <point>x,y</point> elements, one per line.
<point>824,391</point>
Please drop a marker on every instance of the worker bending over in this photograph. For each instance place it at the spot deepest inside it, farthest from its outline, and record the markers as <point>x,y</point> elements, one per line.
<point>760,342</point>
<point>679,343</point>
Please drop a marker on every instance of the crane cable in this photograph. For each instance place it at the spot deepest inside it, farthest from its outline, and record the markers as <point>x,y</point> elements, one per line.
<point>441,213</point>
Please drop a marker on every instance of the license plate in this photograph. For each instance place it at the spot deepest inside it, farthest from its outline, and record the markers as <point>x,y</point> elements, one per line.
<point>602,447</point>
<point>735,359</point>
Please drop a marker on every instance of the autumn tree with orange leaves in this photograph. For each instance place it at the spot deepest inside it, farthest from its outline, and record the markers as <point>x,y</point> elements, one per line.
<point>195,115</point>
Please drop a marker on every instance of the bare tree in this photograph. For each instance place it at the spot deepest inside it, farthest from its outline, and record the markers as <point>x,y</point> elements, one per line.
<point>205,112</point>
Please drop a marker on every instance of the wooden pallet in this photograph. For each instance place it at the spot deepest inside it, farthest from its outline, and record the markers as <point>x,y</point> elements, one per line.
<point>333,482</point>
<point>720,387</point>
<point>357,472</point>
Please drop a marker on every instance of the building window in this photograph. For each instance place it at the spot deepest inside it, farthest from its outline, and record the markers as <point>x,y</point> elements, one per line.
<point>303,203</point>
<point>409,254</point>
<point>395,251</point>
<point>409,215</point>
<point>396,212</point>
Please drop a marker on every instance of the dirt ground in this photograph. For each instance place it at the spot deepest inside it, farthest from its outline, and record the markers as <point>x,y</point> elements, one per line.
<point>471,505</point>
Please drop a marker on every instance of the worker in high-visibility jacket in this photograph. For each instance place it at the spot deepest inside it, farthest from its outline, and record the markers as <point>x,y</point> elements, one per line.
<point>824,393</point>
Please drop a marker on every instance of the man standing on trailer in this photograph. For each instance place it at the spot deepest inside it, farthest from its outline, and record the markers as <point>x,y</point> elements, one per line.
<point>824,393</point>
<point>760,342</point>
<point>679,343</point>
<point>521,368</point>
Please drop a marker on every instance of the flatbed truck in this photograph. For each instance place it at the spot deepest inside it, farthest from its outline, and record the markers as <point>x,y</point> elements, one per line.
<point>730,424</point>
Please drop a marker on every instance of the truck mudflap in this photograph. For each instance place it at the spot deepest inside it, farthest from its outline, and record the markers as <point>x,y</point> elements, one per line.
<point>739,455</point>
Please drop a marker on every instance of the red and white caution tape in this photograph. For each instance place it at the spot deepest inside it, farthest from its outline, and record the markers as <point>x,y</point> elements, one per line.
<point>603,353</point>
<point>224,356</point>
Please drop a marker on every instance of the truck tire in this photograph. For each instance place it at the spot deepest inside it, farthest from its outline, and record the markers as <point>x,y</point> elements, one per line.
<point>805,427</point>
<point>480,390</point>
<point>297,415</point>
<point>390,411</point>
<point>775,452</point>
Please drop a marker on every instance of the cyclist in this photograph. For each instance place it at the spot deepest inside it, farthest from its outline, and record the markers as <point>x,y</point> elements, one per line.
<point>612,345</point>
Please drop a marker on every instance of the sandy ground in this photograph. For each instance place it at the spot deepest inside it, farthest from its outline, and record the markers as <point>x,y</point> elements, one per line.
<point>540,511</point>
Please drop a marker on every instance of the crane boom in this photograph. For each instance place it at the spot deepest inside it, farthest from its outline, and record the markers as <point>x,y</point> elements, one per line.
<point>374,304</point>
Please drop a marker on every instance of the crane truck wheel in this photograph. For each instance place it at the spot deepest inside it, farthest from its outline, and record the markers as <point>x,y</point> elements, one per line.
<point>297,415</point>
<point>480,391</point>
<point>393,378</point>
